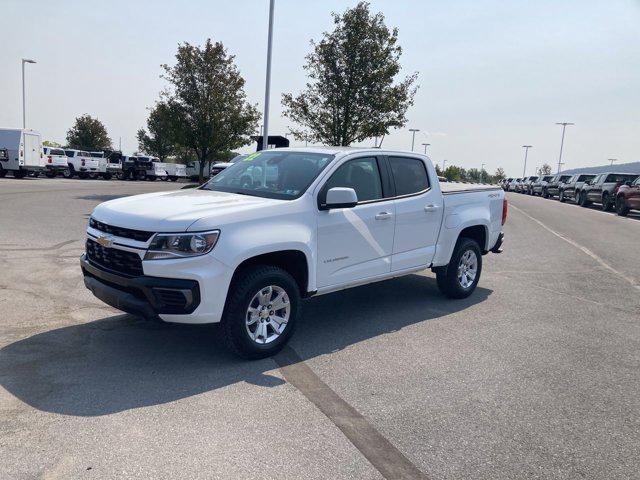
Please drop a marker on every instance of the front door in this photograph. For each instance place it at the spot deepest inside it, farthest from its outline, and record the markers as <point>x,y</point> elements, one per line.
<point>355,243</point>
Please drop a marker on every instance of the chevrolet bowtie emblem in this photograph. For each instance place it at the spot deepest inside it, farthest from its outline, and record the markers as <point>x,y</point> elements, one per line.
<point>105,241</point>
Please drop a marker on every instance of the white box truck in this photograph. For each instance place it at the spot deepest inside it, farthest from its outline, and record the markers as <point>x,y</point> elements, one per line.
<point>24,152</point>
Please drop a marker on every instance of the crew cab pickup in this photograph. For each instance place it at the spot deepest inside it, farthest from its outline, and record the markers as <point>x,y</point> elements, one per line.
<point>282,225</point>
<point>572,188</point>
<point>603,189</point>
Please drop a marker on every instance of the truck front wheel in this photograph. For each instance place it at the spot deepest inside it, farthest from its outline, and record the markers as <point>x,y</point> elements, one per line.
<point>460,278</point>
<point>261,311</point>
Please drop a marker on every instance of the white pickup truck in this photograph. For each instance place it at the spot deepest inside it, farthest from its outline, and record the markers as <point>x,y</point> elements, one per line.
<point>282,225</point>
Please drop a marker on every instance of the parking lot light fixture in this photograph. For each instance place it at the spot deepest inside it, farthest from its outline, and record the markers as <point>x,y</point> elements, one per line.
<point>267,87</point>
<point>24,102</point>
<point>612,160</point>
<point>564,126</point>
<point>425,147</point>
<point>526,152</point>
<point>413,138</point>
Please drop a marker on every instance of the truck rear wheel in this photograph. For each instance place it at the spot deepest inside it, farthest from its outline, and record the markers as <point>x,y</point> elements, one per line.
<point>3,172</point>
<point>261,311</point>
<point>621,206</point>
<point>19,173</point>
<point>460,278</point>
<point>142,175</point>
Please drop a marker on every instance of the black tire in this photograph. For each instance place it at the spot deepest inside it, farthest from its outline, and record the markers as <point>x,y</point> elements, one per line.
<point>244,286</point>
<point>545,193</point>
<point>173,179</point>
<point>447,276</point>
<point>152,178</point>
<point>142,175</point>
<point>19,173</point>
<point>607,204</point>
<point>120,176</point>
<point>621,207</point>
<point>561,197</point>
<point>3,172</point>
<point>107,176</point>
<point>69,173</point>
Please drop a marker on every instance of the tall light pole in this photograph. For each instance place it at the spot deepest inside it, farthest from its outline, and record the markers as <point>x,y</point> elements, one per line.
<point>444,162</point>
<point>425,147</point>
<point>564,126</point>
<point>526,152</point>
<point>24,102</point>
<point>413,139</point>
<point>612,160</point>
<point>267,86</point>
<point>482,172</point>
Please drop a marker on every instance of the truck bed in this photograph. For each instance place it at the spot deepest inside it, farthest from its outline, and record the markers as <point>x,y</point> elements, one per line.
<point>457,187</point>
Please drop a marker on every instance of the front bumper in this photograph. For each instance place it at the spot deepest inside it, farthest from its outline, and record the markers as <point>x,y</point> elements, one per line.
<point>146,296</point>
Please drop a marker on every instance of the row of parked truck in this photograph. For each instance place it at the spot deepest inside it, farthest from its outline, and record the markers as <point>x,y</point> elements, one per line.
<point>610,190</point>
<point>22,154</point>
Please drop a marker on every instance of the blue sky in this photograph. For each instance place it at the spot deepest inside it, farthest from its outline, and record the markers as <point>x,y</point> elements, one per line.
<point>493,75</point>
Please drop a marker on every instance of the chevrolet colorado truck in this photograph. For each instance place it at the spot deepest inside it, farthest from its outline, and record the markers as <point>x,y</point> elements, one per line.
<point>281,225</point>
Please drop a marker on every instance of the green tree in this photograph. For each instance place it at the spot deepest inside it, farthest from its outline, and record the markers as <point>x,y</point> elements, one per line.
<point>51,143</point>
<point>455,173</point>
<point>351,94</point>
<point>499,175</point>
<point>208,102</point>
<point>88,133</point>
<point>161,139</point>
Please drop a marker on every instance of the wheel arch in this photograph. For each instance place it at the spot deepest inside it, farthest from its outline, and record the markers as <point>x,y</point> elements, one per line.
<point>294,262</point>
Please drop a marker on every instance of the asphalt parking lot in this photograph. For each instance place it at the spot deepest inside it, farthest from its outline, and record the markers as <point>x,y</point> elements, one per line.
<point>536,375</point>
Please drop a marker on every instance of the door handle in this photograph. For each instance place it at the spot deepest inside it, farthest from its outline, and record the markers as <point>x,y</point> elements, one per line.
<point>383,216</point>
<point>431,208</point>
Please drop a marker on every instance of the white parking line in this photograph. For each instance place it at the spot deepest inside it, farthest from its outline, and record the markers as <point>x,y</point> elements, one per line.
<point>583,249</point>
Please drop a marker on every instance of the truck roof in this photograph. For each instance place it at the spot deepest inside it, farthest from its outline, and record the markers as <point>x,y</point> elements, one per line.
<point>344,150</point>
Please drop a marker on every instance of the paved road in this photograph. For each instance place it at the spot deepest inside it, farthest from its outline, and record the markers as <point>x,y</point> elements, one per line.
<point>535,376</point>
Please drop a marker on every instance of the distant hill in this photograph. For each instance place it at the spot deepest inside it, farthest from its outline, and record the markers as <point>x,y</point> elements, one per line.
<point>633,167</point>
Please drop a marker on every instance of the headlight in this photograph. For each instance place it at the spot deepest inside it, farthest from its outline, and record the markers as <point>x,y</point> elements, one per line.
<point>179,245</point>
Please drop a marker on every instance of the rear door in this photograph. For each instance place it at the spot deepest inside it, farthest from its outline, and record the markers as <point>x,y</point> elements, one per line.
<point>418,212</point>
<point>633,196</point>
<point>32,150</point>
<point>356,243</point>
<point>594,191</point>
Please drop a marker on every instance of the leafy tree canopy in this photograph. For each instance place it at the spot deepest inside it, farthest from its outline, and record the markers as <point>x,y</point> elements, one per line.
<point>208,102</point>
<point>351,94</point>
<point>88,133</point>
<point>160,141</point>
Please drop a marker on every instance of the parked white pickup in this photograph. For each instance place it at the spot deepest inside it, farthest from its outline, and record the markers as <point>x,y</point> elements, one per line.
<point>80,163</point>
<point>285,224</point>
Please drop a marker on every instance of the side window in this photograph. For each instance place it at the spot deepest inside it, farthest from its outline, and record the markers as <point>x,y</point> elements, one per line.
<point>361,174</point>
<point>409,175</point>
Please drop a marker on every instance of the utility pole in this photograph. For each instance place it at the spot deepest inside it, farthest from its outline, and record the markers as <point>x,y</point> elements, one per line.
<point>564,126</point>
<point>425,147</point>
<point>267,86</point>
<point>482,172</point>
<point>612,160</point>
<point>444,162</point>
<point>413,138</point>
<point>526,152</point>
<point>24,102</point>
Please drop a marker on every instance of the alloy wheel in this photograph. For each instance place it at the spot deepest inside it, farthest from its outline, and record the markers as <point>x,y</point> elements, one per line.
<point>267,315</point>
<point>467,269</point>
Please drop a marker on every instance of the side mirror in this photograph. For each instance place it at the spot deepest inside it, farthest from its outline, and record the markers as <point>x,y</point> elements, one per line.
<point>341,197</point>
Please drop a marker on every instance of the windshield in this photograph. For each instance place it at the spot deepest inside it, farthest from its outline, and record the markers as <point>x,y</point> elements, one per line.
<point>283,175</point>
<point>618,178</point>
<point>238,158</point>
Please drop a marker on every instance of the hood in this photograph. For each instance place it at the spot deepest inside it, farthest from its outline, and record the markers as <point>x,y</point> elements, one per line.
<point>176,211</point>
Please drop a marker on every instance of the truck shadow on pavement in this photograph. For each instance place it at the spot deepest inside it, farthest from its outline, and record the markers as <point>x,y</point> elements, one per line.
<point>121,362</point>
